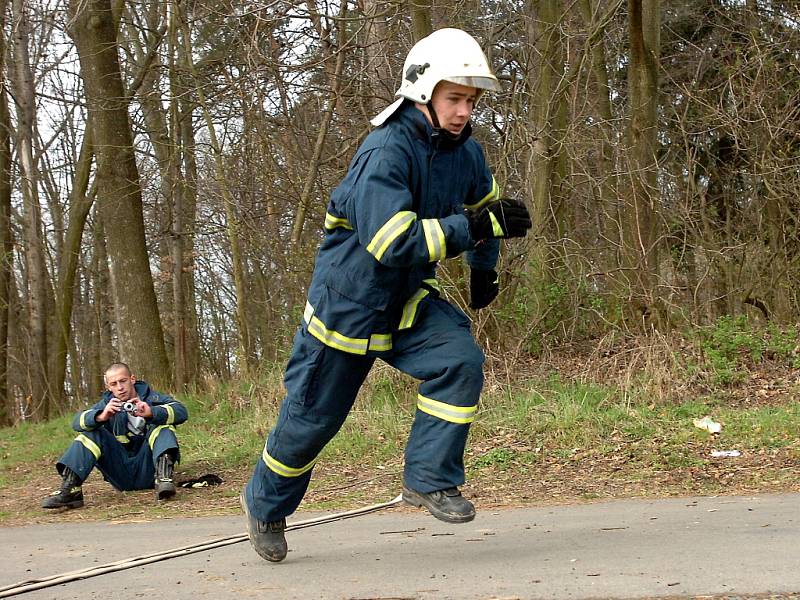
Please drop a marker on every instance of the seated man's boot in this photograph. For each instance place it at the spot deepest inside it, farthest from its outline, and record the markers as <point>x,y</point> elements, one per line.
<point>446,505</point>
<point>165,487</point>
<point>267,539</point>
<point>70,495</point>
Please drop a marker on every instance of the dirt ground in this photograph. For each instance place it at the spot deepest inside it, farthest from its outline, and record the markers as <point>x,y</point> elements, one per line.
<point>584,476</point>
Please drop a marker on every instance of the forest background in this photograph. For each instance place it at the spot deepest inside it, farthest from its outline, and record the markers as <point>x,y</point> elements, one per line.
<point>165,167</point>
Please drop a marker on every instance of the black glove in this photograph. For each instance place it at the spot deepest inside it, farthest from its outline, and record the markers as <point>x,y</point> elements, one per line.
<point>505,218</point>
<point>483,288</point>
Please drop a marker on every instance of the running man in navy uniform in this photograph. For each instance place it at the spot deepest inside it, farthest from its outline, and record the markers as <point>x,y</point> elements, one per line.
<point>418,190</point>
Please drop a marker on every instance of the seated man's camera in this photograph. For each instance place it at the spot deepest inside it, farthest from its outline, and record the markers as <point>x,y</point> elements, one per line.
<point>129,407</point>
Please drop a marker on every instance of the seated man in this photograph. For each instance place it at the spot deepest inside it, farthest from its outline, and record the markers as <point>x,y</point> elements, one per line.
<point>129,435</point>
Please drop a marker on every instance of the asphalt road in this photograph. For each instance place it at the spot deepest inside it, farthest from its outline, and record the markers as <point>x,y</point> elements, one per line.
<point>680,547</point>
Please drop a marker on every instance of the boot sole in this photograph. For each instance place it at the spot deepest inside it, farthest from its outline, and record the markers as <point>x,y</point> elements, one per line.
<point>265,556</point>
<point>414,499</point>
<point>165,494</point>
<point>67,505</point>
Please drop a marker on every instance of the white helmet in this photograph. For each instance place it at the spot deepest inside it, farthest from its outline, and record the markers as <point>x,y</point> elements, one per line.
<point>445,55</point>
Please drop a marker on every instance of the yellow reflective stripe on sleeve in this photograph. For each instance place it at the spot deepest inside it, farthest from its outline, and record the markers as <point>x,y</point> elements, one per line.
<point>447,412</point>
<point>83,419</point>
<point>380,342</point>
<point>122,439</point>
<point>155,433</point>
<point>170,413</point>
<point>410,309</point>
<point>390,231</point>
<point>90,445</point>
<point>281,469</point>
<point>334,339</point>
<point>497,230</point>
<point>434,237</point>
<point>493,194</point>
<point>332,222</point>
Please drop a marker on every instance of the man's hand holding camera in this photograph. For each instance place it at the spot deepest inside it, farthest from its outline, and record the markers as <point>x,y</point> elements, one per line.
<point>135,406</point>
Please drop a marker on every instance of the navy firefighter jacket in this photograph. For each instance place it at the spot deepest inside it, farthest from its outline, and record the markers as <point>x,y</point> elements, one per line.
<point>166,412</point>
<point>398,211</point>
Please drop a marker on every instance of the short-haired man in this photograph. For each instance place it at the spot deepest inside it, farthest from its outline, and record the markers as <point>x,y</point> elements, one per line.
<point>129,435</point>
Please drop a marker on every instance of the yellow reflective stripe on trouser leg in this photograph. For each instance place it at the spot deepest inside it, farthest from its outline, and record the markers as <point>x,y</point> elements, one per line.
<point>90,445</point>
<point>410,309</point>
<point>151,440</point>
<point>447,412</point>
<point>390,231</point>
<point>281,469</point>
<point>434,238</point>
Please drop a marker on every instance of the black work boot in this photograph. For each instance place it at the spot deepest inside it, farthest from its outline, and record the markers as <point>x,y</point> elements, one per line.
<point>69,496</point>
<point>267,539</point>
<point>165,488</point>
<point>446,505</point>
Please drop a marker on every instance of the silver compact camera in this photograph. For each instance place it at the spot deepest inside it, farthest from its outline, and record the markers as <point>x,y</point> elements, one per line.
<point>129,407</point>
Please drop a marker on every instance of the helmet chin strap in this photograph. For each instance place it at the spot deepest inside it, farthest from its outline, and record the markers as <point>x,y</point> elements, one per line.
<point>434,116</point>
<point>437,126</point>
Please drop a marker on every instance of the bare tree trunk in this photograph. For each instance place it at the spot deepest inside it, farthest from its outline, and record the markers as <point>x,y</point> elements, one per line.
<point>141,339</point>
<point>164,130</point>
<point>381,80</point>
<point>34,246</point>
<point>327,117</point>
<point>421,22</point>
<point>608,212</point>
<point>102,352</point>
<point>545,157</point>
<point>247,360</point>
<point>641,225</point>
<point>79,207</point>
<point>6,248</point>
<point>176,184</point>
<point>189,219</point>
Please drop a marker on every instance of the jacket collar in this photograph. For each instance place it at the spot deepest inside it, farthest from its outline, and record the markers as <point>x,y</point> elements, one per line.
<point>414,119</point>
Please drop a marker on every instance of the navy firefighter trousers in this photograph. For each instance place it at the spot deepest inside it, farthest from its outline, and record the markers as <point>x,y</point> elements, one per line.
<point>322,383</point>
<point>125,466</point>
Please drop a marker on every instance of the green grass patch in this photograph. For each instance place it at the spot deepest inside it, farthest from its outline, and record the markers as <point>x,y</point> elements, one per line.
<point>565,419</point>
<point>515,430</point>
<point>32,442</point>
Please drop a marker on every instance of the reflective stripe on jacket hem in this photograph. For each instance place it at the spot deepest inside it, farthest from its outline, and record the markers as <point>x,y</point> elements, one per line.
<point>377,342</point>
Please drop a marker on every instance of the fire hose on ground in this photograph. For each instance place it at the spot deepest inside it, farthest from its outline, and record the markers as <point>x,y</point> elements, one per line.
<point>128,563</point>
